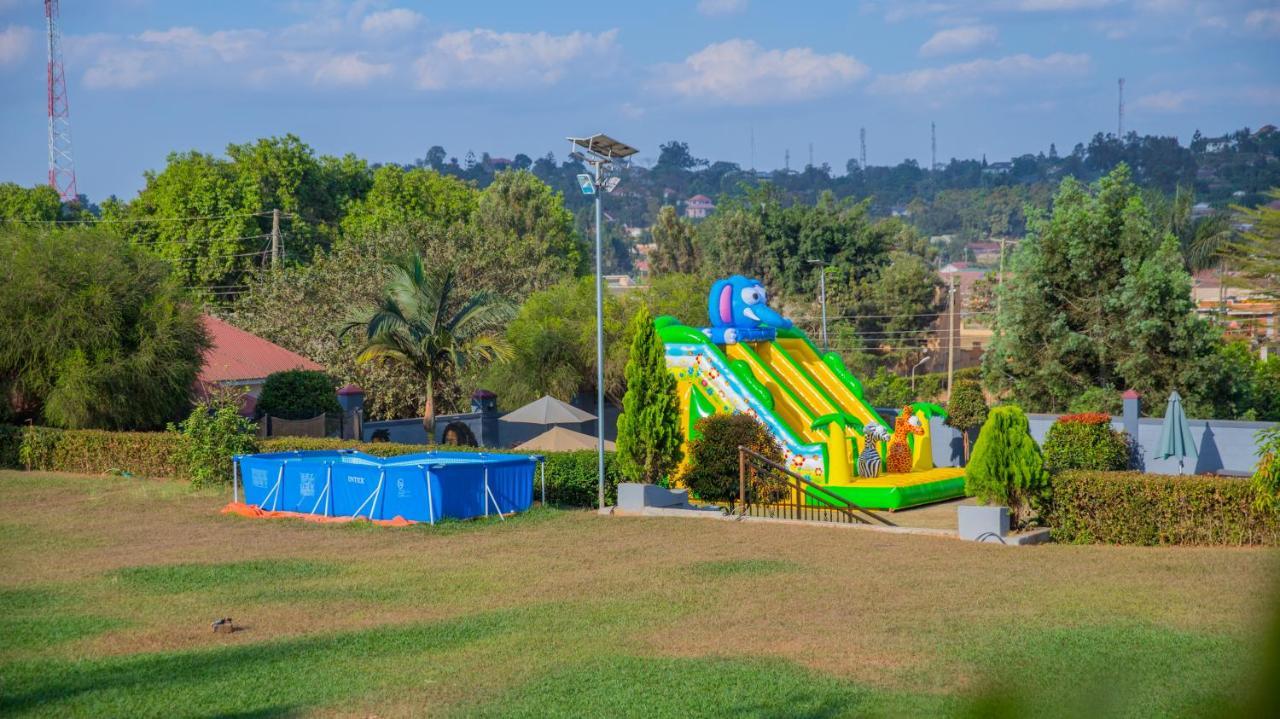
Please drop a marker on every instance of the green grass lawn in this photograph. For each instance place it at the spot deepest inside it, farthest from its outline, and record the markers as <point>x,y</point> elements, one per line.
<point>109,586</point>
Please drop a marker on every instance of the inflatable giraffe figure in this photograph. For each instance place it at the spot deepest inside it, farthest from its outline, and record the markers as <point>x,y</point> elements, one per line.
<point>899,450</point>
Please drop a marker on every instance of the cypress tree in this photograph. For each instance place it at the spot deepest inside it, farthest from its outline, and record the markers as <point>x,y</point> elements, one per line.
<point>1006,467</point>
<point>649,427</point>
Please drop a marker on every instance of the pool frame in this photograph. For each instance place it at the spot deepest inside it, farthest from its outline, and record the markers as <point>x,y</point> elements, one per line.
<point>424,487</point>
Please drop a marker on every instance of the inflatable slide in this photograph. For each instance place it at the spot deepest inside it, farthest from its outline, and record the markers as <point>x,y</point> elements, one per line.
<point>752,360</point>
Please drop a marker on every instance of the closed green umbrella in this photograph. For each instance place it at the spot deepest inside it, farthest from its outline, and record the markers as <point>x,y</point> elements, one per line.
<point>1175,433</point>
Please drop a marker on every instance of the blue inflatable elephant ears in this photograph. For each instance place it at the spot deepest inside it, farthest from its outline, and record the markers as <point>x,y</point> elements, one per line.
<point>739,312</point>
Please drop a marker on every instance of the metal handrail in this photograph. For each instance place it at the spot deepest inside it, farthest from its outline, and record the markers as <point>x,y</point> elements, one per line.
<point>804,486</point>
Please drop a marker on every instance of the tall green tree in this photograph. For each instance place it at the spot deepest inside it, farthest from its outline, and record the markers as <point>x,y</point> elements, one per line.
<point>424,324</point>
<point>398,197</point>
<point>649,436</point>
<point>1102,299</point>
<point>29,204</point>
<point>93,333</point>
<point>1256,253</point>
<point>554,349</point>
<point>525,234</point>
<point>673,237</point>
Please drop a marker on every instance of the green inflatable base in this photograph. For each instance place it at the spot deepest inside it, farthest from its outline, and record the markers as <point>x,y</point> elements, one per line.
<point>900,497</point>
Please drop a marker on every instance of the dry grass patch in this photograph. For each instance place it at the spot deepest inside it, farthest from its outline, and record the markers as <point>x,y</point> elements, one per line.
<point>116,581</point>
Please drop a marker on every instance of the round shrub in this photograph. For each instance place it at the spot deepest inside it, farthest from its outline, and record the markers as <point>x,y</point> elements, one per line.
<point>1006,467</point>
<point>213,434</point>
<point>712,471</point>
<point>1085,441</point>
<point>298,394</point>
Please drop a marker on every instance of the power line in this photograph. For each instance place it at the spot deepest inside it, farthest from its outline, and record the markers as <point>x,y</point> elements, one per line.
<point>120,220</point>
<point>198,240</point>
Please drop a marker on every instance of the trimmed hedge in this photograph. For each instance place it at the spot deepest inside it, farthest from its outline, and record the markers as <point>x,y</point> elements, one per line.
<point>1154,509</point>
<point>94,451</point>
<point>1085,441</point>
<point>571,476</point>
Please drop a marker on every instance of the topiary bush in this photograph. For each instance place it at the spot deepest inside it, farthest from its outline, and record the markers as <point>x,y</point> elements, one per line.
<point>966,409</point>
<point>1154,509</point>
<point>298,394</point>
<point>1085,441</point>
<point>711,473</point>
<point>1006,467</point>
<point>213,434</point>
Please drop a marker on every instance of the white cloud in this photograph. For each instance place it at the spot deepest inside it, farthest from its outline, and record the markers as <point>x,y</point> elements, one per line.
<point>227,45</point>
<point>389,22</point>
<point>740,72</point>
<point>1166,100</point>
<point>982,76</point>
<point>122,69</point>
<point>485,58</point>
<point>1057,5</point>
<point>1264,21</point>
<point>348,69</point>
<point>712,8</point>
<point>958,39</point>
<point>15,41</point>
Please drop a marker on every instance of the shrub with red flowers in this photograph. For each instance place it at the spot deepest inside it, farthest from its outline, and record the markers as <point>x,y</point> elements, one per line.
<point>1086,418</point>
<point>1085,441</point>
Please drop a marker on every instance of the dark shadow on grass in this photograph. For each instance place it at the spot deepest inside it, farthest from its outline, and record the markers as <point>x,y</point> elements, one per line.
<point>264,679</point>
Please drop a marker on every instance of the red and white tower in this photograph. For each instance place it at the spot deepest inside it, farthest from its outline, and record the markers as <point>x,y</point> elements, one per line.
<point>62,171</point>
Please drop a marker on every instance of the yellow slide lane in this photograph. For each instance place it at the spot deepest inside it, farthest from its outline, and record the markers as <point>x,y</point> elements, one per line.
<point>803,354</point>
<point>797,416</point>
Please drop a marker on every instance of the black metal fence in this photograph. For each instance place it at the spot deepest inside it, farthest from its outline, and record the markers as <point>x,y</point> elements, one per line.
<point>768,489</point>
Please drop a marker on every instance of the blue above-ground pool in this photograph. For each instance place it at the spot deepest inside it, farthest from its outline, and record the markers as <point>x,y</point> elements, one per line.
<point>422,487</point>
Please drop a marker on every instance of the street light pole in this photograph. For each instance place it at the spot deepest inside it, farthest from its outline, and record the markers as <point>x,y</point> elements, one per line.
<point>597,151</point>
<point>913,373</point>
<point>599,344</point>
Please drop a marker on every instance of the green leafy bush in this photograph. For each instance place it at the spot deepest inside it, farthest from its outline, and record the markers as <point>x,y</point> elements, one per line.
<point>298,394</point>
<point>94,332</point>
<point>712,471</point>
<point>1153,509</point>
<point>1085,441</point>
<point>213,434</point>
<point>1006,467</point>
<point>1266,475</point>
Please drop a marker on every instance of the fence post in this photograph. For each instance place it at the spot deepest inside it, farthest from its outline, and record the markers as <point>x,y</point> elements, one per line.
<point>742,480</point>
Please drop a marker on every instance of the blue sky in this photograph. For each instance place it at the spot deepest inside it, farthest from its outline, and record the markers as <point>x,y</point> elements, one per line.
<point>386,80</point>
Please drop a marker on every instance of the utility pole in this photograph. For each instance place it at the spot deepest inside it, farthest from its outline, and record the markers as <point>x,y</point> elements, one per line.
<point>951,334</point>
<point>862,137</point>
<point>811,154</point>
<point>275,238</point>
<point>786,160</point>
<point>1120,111</point>
<point>1000,277</point>
<point>933,146</point>
<point>753,150</point>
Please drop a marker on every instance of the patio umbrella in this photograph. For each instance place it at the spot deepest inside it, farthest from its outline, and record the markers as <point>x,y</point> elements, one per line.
<point>562,439</point>
<point>548,410</point>
<point>1175,433</point>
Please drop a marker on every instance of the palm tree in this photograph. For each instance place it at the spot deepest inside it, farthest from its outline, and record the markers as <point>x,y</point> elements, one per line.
<point>421,323</point>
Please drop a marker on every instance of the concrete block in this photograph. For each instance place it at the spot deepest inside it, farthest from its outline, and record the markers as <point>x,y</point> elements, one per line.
<point>634,497</point>
<point>983,523</point>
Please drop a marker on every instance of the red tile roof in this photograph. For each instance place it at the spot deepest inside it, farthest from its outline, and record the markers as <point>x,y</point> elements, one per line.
<point>237,355</point>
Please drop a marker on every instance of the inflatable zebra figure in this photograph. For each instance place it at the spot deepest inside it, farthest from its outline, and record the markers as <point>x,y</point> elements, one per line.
<point>869,461</point>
